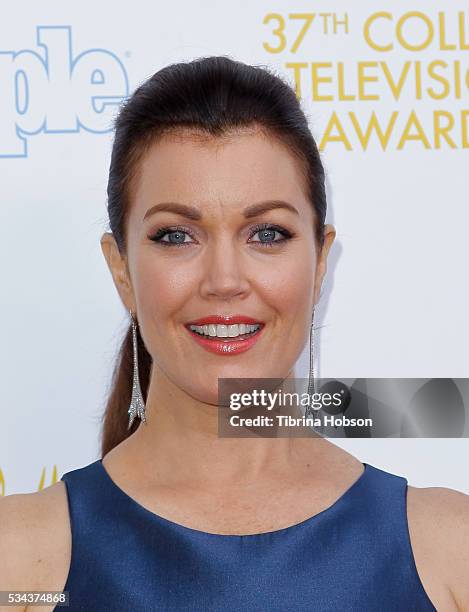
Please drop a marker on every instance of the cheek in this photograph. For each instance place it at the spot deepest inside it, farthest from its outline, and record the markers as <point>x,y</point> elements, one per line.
<point>162,287</point>
<point>289,283</point>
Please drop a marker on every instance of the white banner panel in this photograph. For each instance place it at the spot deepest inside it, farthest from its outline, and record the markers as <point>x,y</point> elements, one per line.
<point>385,88</point>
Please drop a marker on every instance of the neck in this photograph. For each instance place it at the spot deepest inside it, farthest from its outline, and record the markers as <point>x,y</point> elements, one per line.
<point>180,443</point>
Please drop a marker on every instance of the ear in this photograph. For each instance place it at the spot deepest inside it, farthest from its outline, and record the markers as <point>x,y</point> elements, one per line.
<point>119,270</point>
<point>321,264</point>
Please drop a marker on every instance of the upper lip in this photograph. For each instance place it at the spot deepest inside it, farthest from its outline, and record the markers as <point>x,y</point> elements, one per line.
<point>224,320</point>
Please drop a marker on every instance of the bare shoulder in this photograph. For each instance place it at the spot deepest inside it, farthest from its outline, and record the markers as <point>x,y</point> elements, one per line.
<point>438,520</point>
<point>35,540</point>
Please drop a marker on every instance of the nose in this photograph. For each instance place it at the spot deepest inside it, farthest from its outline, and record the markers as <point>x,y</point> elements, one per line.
<point>225,271</point>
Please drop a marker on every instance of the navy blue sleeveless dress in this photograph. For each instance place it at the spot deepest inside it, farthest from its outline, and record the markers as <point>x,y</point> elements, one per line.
<point>355,555</point>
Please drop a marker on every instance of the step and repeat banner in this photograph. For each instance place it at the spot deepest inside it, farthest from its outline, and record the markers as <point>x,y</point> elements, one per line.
<point>385,87</point>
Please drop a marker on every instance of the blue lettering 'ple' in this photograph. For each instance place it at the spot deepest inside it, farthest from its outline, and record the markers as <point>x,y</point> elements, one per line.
<point>50,91</point>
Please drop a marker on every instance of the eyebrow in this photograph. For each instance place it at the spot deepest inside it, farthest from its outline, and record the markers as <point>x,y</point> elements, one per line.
<point>195,215</point>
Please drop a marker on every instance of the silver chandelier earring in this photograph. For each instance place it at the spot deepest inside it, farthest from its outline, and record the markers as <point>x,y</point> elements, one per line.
<point>311,381</point>
<point>137,405</point>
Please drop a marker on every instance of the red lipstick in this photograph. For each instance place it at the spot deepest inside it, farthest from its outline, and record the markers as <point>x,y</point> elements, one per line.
<point>226,346</point>
<point>224,320</point>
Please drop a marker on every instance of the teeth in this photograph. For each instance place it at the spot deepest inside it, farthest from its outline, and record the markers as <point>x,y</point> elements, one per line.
<point>225,331</point>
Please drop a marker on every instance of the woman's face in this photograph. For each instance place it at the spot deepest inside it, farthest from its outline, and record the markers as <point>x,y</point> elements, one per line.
<point>219,263</point>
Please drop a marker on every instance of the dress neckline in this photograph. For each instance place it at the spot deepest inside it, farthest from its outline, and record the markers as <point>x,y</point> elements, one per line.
<point>334,507</point>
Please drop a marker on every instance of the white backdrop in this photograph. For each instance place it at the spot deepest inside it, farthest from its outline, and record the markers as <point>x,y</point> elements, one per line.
<point>396,296</point>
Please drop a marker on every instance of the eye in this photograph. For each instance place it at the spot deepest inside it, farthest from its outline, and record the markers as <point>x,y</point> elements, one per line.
<point>176,236</point>
<point>267,234</point>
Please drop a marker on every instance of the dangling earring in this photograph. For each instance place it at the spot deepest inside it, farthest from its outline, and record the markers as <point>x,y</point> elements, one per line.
<point>311,381</point>
<point>137,405</point>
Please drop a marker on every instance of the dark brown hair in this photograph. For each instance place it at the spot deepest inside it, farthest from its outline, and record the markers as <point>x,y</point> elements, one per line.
<point>214,96</point>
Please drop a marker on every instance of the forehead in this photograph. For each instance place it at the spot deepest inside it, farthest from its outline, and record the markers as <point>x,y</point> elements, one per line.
<point>230,171</point>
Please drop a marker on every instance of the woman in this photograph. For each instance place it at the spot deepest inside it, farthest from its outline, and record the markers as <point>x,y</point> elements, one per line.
<point>216,203</point>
